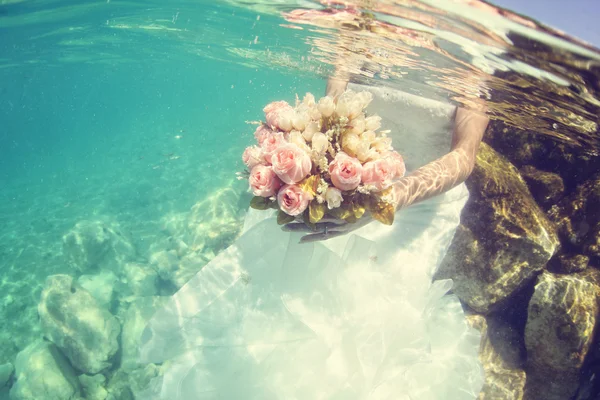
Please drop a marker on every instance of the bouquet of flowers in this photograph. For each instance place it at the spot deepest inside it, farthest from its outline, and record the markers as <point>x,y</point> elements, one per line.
<point>321,159</point>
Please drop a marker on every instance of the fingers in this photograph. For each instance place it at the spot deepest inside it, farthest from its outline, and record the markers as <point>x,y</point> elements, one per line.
<point>319,227</point>
<point>315,237</point>
<point>296,227</point>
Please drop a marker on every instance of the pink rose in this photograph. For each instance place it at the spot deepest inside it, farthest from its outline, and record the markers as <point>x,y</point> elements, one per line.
<point>271,142</point>
<point>290,163</point>
<point>345,172</point>
<point>263,181</point>
<point>379,173</point>
<point>397,160</point>
<point>293,200</point>
<point>279,114</point>
<point>261,133</point>
<point>252,156</point>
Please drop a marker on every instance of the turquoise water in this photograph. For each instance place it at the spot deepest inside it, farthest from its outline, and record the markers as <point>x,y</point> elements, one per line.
<point>130,112</point>
<point>114,123</point>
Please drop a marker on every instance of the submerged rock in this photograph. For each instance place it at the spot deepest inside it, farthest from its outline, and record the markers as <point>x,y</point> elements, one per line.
<point>546,153</point>
<point>196,237</point>
<point>504,239</point>
<point>92,245</point>
<point>73,320</point>
<point>6,371</point>
<point>134,321</point>
<point>211,224</point>
<point>118,386</point>
<point>141,279</point>
<point>569,263</point>
<point>101,286</point>
<point>501,359</point>
<point>578,218</point>
<point>141,378</point>
<point>215,222</point>
<point>42,372</point>
<point>592,245</point>
<point>93,387</point>
<point>547,188</point>
<point>165,262</point>
<point>561,319</point>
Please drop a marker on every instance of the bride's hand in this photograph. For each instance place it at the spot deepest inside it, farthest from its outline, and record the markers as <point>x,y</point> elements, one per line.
<point>326,229</point>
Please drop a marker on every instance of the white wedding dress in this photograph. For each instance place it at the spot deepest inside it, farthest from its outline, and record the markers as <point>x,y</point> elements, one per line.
<point>352,318</point>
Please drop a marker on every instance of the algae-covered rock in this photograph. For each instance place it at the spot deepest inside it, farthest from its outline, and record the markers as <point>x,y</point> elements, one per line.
<point>42,372</point>
<point>578,217</point>
<point>546,187</point>
<point>134,321</point>
<point>93,387</point>
<point>72,319</point>
<point>569,263</point>
<point>562,315</point>
<point>504,239</point>
<point>92,245</point>
<point>592,244</point>
<point>527,147</point>
<point>501,359</point>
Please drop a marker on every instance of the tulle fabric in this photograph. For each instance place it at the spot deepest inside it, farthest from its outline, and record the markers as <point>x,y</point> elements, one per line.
<point>352,318</point>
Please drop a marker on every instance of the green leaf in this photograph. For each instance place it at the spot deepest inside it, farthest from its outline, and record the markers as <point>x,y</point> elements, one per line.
<point>382,211</point>
<point>310,184</point>
<point>358,210</point>
<point>306,219</point>
<point>283,218</point>
<point>316,211</point>
<point>385,215</point>
<point>260,203</point>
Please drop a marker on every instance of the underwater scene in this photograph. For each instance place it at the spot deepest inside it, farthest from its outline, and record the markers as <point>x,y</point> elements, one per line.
<point>297,200</point>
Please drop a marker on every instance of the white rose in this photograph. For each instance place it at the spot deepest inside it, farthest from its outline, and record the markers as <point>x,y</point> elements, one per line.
<point>368,136</point>
<point>382,144</point>
<point>373,123</point>
<point>358,125</point>
<point>296,138</point>
<point>314,113</point>
<point>285,120</point>
<point>309,100</point>
<point>333,197</point>
<point>354,109</point>
<point>326,106</point>
<point>342,108</point>
<point>364,98</point>
<point>365,153</point>
<point>300,120</point>
<point>320,142</point>
<point>350,142</point>
<point>310,130</point>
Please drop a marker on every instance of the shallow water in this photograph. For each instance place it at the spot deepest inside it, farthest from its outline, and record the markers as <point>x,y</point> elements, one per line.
<point>130,111</point>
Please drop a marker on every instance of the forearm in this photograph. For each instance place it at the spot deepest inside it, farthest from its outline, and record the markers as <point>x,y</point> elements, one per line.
<point>348,62</point>
<point>449,170</point>
<point>336,85</point>
<point>433,179</point>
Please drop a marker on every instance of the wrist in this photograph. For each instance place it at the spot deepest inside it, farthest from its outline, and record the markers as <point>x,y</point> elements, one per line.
<point>336,86</point>
<point>400,193</point>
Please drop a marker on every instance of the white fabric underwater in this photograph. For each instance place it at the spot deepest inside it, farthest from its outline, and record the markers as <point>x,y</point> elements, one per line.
<point>352,318</point>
